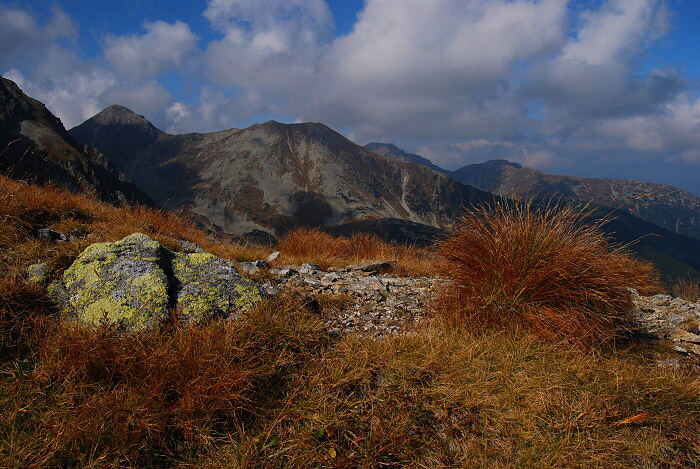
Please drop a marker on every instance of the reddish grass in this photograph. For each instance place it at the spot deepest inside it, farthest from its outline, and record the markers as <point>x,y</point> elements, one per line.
<point>318,247</point>
<point>154,397</point>
<point>542,269</point>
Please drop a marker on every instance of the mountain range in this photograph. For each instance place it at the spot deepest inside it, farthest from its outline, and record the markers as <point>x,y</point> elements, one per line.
<point>271,177</point>
<point>666,206</point>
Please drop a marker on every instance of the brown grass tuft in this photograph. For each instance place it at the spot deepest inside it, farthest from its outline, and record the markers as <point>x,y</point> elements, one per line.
<point>543,269</point>
<point>313,245</point>
<point>687,289</point>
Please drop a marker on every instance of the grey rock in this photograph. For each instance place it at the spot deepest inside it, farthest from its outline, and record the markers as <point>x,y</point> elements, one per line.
<point>51,235</point>
<point>134,282</point>
<point>374,266</point>
<point>37,272</point>
<point>188,246</point>
<point>254,266</point>
<point>309,269</point>
<point>272,257</point>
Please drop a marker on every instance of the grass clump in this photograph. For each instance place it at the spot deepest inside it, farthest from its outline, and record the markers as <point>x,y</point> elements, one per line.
<point>540,268</point>
<point>687,289</point>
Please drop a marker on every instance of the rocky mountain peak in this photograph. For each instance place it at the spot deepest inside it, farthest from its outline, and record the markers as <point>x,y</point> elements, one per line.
<point>121,115</point>
<point>389,150</point>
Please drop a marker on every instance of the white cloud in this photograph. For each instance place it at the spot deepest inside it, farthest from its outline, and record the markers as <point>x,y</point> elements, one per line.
<point>267,44</point>
<point>402,47</point>
<point>148,98</point>
<point>72,96</point>
<point>536,81</point>
<point>163,47</point>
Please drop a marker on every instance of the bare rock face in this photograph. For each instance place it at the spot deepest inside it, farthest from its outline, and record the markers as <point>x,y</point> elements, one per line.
<point>135,282</point>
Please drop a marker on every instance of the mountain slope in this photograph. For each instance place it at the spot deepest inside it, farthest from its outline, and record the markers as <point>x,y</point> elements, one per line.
<point>669,207</point>
<point>35,146</point>
<point>273,176</point>
<point>389,150</point>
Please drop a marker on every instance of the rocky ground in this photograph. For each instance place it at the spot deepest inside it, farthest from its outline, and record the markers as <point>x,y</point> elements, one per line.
<point>365,299</point>
<point>665,320</point>
<point>378,302</point>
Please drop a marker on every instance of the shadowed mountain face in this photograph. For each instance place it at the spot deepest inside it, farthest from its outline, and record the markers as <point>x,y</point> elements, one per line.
<point>35,146</point>
<point>666,206</point>
<point>274,176</point>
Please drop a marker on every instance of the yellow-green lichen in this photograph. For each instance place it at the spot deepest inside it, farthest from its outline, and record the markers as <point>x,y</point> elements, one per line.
<point>197,258</point>
<point>120,281</point>
<point>126,283</point>
<point>249,295</point>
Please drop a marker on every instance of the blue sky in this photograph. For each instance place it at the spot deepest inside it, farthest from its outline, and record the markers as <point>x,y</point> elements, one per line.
<point>605,88</point>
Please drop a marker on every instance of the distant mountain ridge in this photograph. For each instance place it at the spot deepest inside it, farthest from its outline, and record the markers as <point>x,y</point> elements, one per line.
<point>666,206</point>
<point>35,146</point>
<point>274,176</point>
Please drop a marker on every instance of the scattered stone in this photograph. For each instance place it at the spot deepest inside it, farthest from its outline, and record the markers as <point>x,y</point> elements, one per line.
<point>381,305</point>
<point>253,267</point>
<point>133,282</point>
<point>681,335</point>
<point>669,319</point>
<point>38,272</point>
<point>272,257</point>
<point>285,273</point>
<point>374,266</point>
<point>309,269</point>
<point>51,235</point>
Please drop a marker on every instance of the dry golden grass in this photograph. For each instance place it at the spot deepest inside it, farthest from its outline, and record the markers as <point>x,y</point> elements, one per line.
<point>687,289</point>
<point>317,247</point>
<point>274,390</point>
<point>98,396</point>
<point>514,265</point>
<point>450,398</point>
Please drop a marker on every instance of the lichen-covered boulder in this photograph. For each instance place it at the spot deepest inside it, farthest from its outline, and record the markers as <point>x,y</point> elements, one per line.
<point>136,282</point>
<point>117,282</point>
<point>210,286</point>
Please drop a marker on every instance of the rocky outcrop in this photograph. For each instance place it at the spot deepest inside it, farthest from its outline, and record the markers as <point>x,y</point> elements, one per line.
<point>136,283</point>
<point>365,299</point>
<point>664,318</point>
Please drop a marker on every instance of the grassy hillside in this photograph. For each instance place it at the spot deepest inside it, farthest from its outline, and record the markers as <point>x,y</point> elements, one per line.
<point>275,390</point>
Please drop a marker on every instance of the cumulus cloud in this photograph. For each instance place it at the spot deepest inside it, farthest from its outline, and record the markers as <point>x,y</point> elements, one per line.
<point>33,47</point>
<point>148,98</point>
<point>73,96</point>
<point>266,43</point>
<point>163,47</point>
<point>541,82</point>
